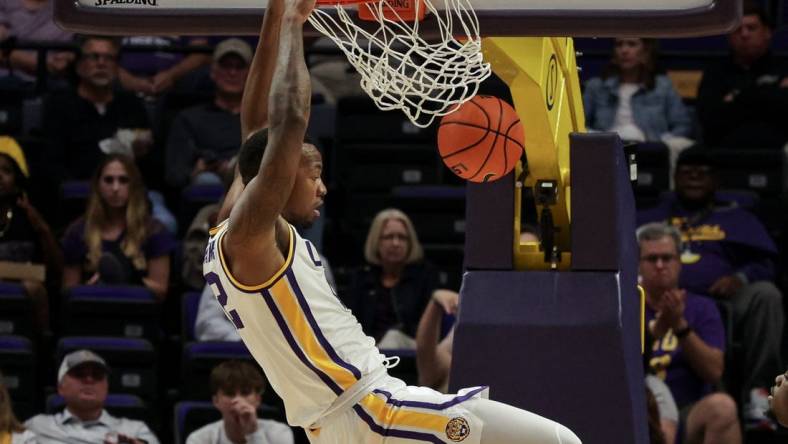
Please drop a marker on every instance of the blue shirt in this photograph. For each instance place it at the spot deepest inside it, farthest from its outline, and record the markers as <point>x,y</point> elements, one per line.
<point>657,112</point>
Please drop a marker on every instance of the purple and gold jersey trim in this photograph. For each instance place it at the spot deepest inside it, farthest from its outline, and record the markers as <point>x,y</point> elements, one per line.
<point>297,323</point>
<point>387,416</point>
<point>256,288</point>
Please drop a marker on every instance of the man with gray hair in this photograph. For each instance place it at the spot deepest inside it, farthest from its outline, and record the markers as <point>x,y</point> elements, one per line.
<point>689,340</point>
<point>82,382</point>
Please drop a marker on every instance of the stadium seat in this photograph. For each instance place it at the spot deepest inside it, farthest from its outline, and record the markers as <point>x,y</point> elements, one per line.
<point>653,163</point>
<point>757,170</point>
<point>438,212</point>
<point>199,358</point>
<point>191,415</point>
<point>190,304</point>
<point>16,317</point>
<point>18,368</point>
<point>132,362</point>
<point>104,310</point>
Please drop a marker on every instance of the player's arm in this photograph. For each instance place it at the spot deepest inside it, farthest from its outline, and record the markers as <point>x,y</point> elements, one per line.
<point>254,104</point>
<point>256,212</point>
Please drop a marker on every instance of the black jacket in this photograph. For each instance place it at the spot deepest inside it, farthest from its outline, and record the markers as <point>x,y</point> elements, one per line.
<point>410,296</point>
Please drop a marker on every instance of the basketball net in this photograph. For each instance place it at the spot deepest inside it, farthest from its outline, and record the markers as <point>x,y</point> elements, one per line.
<point>400,69</point>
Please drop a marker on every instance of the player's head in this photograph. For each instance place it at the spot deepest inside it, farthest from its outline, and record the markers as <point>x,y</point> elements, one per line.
<point>233,380</point>
<point>695,177</point>
<point>660,257</point>
<point>392,240</point>
<point>751,40</point>
<point>302,207</point>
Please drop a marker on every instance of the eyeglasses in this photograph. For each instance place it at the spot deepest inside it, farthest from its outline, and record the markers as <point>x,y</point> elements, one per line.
<point>109,180</point>
<point>397,236</point>
<point>97,56</point>
<point>654,258</point>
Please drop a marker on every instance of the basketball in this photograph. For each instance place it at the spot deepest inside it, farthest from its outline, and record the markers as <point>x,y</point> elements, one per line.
<point>482,140</point>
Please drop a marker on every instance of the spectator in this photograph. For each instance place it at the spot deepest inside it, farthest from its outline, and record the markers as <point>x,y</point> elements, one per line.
<point>728,254</point>
<point>633,99</point>
<point>390,292</point>
<point>688,340</point>
<point>95,118</point>
<point>663,413</point>
<point>11,431</point>
<point>31,20</point>
<point>742,100</point>
<point>204,138</point>
<point>82,382</point>
<point>433,354</point>
<point>155,72</point>
<point>779,399</point>
<point>237,389</point>
<point>117,241</point>
<point>25,237</point>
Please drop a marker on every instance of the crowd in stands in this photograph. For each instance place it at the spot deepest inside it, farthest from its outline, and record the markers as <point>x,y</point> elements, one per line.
<point>117,178</point>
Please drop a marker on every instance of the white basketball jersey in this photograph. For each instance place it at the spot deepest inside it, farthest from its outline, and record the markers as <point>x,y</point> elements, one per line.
<point>310,346</point>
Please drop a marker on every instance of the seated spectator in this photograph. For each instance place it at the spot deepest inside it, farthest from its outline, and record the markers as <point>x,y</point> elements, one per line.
<point>31,20</point>
<point>779,399</point>
<point>11,430</point>
<point>82,382</point>
<point>156,72</point>
<point>204,138</point>
<point>237,388</point>
<point>634,100</point>
<point>663,413</point>
<point>94,119</point>
<point>742,99</point>
<point>688,340</point>
<point>728,254</point>
<point>390,292</point>
<point>117,241</point>
<point>433,354</point>
<point>25,237</point>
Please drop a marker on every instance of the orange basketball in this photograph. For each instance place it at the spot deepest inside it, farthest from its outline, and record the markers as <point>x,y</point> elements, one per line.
<point>482,140</point>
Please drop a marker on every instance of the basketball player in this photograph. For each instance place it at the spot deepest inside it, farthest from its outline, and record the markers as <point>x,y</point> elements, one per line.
<point>271,283</point>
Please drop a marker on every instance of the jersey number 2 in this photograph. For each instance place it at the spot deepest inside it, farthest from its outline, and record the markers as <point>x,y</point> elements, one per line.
<point>221,296</point>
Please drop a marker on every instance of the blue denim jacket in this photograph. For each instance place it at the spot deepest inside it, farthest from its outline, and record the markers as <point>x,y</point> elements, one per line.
<point>656,112</point>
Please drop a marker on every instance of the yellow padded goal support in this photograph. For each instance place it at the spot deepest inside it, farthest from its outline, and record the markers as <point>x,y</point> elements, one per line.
<point>542,75</point>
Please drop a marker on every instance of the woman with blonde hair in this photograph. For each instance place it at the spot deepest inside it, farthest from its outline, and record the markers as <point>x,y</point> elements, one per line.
<point>11,430</point>
<point>389,293</point>
<point>117,241</point>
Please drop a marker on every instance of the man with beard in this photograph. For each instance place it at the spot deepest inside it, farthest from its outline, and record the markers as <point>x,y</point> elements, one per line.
<point>78,120</point>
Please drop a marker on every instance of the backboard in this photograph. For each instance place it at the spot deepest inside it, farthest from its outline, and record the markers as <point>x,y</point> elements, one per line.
<point>573,18</point>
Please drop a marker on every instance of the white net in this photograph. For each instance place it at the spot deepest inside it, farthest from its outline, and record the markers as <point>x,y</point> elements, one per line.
<point>402,70</point>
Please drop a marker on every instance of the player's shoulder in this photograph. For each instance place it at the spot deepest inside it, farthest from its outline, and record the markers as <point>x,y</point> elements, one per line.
<point>221,226</point>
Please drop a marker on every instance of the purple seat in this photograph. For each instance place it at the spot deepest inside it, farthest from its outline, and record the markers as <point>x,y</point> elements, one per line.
<point>203,194</point>
<point>16,316</point>
<point>110,310</point>
<point>190,304</point>
<point>132,362</point>
<point>199,358</point>
<point>18,364</point>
